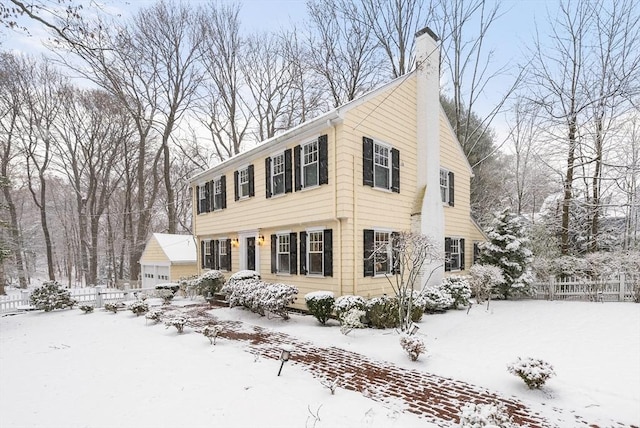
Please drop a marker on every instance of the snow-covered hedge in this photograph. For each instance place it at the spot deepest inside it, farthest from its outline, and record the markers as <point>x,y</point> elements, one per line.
<point>344,304</point>
<point>139,307</point>
<point>206,284</point>
<point>436,299</point>
<point>320,304</point>
<point>165,294</point>
<point>533,371</point>
<point>351,319</point>
<point>242,275</point>
<point>485,415</point>
<point>413,345</point>
<point>382,312</point>
<point>261,297</point>
<point>51,296</point>
<point>458,288</point>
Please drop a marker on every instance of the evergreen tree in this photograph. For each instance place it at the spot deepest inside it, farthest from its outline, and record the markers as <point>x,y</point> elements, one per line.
<point>508,248</point>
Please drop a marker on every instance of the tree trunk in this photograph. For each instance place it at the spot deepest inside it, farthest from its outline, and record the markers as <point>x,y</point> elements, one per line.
<point>568,184</point>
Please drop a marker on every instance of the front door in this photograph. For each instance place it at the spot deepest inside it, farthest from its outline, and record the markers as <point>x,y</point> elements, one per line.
<point>251,253</point>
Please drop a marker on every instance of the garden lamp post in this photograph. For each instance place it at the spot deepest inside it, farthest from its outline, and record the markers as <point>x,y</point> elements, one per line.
<point>285,354</point>
<point>413,328</point>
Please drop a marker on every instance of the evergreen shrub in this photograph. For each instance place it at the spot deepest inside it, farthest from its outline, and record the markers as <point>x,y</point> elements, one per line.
<point>51,295</point>
<point>382,312</point>
<point>533,371</point>
<point>320,305</point>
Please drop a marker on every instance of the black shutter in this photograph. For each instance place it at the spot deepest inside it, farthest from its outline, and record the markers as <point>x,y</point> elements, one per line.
<point>368,251</point>
<point>395,268</point>
<point>451,192</point>
<point>293,253</point>
<point>274,253</point>
<point>287,171</point>
<point>207,196</point>
<point>228,254</point>
<point>297,177</point>
<point>303,253</point>
<point>367,161</point>
<point>202,261</point>
<point>461,254</point>
<point>447,254</point>
<point>476,252</point>
<point>323,159</point>
<point>197,199</point>
<point>251,187</point>
<point>223,184</point>
<point>235,186</point>
<point>215,254</point>
<point>212,195</point>
<point>328,252</point>
<point>267,179</point>
<point>395,170</point>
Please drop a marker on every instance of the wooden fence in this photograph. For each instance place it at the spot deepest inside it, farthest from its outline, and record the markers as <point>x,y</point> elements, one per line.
<point>620,288</point>
<point>96,296</point>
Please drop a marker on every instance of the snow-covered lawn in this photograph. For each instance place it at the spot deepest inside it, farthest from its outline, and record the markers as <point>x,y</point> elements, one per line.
<point>68,369</point>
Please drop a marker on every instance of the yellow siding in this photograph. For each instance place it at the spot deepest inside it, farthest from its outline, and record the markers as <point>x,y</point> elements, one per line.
<point>179,271</point>
<point>153,252</point>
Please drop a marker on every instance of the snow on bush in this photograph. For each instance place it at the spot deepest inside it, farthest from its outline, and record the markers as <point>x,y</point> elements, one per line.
<point>458,288</point>
<point>436,299</point>
<point>51,296</point>
<point>165,295</point>
<point>320,304</point>
<point>113,307</point>
<point>485,415</point>
<point>261,297</point>
<point>534,372</point>
<point>139,307</point>
<point>211,332</point>
<point>344,304</point>
<point>483,279</point>
<point>207,284</point>
<point>242,275</point>
<point>178,322</point>
<point>383,312</point>
<point>351,319</point>
<point>154,315</point>
<point>86,308</point>
<point>413,345</point>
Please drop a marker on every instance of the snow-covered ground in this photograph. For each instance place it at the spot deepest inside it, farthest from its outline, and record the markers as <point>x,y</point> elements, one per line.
<point>68,369</point>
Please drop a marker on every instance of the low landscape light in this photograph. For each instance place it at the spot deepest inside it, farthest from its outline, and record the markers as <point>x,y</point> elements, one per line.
<point>413,328</point>
<point>285,354</point>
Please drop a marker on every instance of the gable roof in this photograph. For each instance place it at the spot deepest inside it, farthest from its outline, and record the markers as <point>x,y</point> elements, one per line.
<point>177,248</point>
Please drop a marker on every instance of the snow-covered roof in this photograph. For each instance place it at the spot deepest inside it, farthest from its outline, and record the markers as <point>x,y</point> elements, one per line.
<point>178,248</point>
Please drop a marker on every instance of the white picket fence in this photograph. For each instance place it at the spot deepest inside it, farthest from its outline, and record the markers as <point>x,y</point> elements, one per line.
<point>96,296</point>
<point>617,289</point>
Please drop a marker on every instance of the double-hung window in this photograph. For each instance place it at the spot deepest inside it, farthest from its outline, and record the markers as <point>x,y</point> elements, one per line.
<point>202,198</point>
<point>310,164</point>
<point>381,166</point>
<point>217,195</point>
<point>243,183</point>
<point>222,254</point>
<point>378,252</point>
<point>284,256</point>
<point>446,186</point>
<point>277,174</point>
<point>284,253</point>
<point>316,253</point>
<point>454,254</point>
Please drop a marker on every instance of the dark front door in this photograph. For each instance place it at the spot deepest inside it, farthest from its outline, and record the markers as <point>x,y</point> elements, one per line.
<point>251,253</point>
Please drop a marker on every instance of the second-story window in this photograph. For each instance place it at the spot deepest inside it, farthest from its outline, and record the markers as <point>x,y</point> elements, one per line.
<point>310,164</point>
<point>277,174</point>
<point>446,186</point>
<point>202,199</point>
<point>381,166</point>
<point>243,183</point>
<point>219,194</point>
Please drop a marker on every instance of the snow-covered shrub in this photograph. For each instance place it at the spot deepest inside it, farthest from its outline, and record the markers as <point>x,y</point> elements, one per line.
<point>51,296</point>
<point>242,275</point>
<point>382,312</point>
<point>417,302</point>
<point>139,307</point>
<point>344,304</point>
<point>436,299</point>
<point>154,315</point>
<point>483,279</point>
<point>320,304</point>
<point>169,286</point>
<point>351,319</point>
<point>533,371</point>
<point>413,345</point>
<point>207,284</point>
<point>485,416</point>
<point>113,307</point>
<point>165,295</point>
<point>211,332</point>
<point>86,308</point>
<point>261,297</point>
<point>458,288</point>
<point>178,322</point>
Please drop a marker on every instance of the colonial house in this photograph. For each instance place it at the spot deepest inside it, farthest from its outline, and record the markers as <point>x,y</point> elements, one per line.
<point>308,206</point>
<point>167,258</point>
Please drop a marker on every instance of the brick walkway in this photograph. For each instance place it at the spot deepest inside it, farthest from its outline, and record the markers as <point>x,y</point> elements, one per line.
<point>434,398</point>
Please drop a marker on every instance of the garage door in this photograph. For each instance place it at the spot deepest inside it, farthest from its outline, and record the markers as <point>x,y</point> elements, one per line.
<point>153,275</point>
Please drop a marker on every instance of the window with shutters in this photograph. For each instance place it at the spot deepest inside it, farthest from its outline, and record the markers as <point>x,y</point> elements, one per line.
<point>222,254</point>
<point>217,194</point>
<point>277,174</point>
<point>454,254</point>
<point>315,249</point>
<point>446,186</point>
<point>202,198</point>
<point>207,255</point>
<point>382,253</point>
<point>284,249</point>
<point>381,166</point>
<point>310,164</point>
<point>243,183</point>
